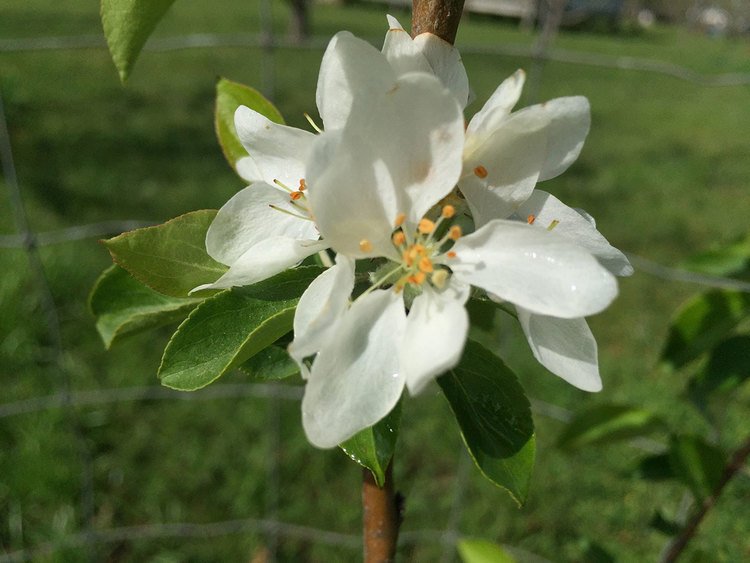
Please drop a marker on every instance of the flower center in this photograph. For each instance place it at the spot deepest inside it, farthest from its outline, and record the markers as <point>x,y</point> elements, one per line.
<point>297,200</point>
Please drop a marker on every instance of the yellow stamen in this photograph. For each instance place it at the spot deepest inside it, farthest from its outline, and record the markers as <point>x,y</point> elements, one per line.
<point>553,224</point>
<point>455,232</point>
<point>417,278</point>
<point>439,277</point>
<point>530,219</point>
<point>425,265</point>
<point>365,245</point>
<point>400,218</point>
<point>426,226</point>
<point>407,258</point>
<point>449,211</point>
<point>399,238</point>
<point>481,172</point>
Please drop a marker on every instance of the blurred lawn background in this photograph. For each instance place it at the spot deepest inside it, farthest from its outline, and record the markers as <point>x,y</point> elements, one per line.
<point>665,171</point>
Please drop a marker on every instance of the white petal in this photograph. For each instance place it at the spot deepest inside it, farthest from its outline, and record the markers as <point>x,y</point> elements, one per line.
<point>534,268</point>
<point>498,106</point>
<point>248,170</point>
<point>575,227</point>
<point>247,219</point>
<point>321,305</point>
<point>401,156</point>
<point>355,380</point>
<point>267,258</point>
<point>279,151</point>
<point>435,335</point>
<point>401,51</point>
<point>511,156</point>
<point>445,61</point>
<point>569,123</point>
<point>566,347</point>
<point>350,66</point>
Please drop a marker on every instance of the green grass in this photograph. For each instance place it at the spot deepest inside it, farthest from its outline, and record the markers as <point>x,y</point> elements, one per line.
<point>665,172</point>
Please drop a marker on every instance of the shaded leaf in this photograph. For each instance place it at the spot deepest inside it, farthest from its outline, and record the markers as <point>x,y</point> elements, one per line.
<point>656,467</point>
<point>229,96</point>
<point>270,363</point>
<point>664,525</point>
<point>123,306</point>
<point>729,260</point>
<point>482,551</point>
<point>703,322</point>
<point>231,327</point>
<point>696,463</point>
<point>170,258</point>
<point>607,423</point>
<point>728,367</point>
<point>373,447</point>
<point>495,418</point>
<point>596,553</point>
<point>127,25</point>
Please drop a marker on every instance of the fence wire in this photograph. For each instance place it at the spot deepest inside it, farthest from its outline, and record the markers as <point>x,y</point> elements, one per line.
<point>71,401</point>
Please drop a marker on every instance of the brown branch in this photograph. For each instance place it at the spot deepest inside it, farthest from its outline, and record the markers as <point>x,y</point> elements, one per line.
<point>439,17</point>
<point>688,532</point>
<point>380,518</point>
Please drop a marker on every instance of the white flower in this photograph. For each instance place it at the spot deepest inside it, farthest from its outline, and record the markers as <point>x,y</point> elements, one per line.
<point>371,185</point>
<point>267,227</point>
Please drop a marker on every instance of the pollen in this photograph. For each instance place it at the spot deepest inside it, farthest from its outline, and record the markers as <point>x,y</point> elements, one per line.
<point>451,254</point>
<point>455,232</point>
<point>425,265</point>
<point>295,195</point>
<point>399,238</point>
<point>448,211</point>
<point>426,226</point>
<point>400,218</point>
<point>417,279</point>
<point>530,219</point>
<point>480,172</point>
<point>365,245</point>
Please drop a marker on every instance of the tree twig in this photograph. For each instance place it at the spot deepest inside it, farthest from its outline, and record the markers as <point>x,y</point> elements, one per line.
<point>381,517</point>
<point>439,17</point>
<point>736,462</point>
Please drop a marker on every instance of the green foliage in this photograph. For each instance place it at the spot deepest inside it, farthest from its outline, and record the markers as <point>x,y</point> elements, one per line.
<point>726,260</point>
<point>270,364</point>
<point>607,424</point>
<point>482,551</point>
<point>373,447</point>
<point>170,258</point>
<point>230,328</point>
<point>696,463</point>
<point>494,415</point>
<point>127,25</point>
<point>229,96</point>
<point>703,322</point>
<point>727,368</point>
<point>123,306</point>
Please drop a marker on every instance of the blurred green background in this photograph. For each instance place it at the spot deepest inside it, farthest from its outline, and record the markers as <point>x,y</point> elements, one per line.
<point>665,171</point>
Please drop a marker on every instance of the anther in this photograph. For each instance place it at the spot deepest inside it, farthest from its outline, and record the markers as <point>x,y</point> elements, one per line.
<point>455,232</point>
<point>417,278</point>
<point>451,254</point>
<point>553,224</point>
<point>400,218</point>
<point>530,219</point>
<point>302,185</point>
<point>295,195</point>
<point>439,277</point>
<point>480,171</point>
<point>425,265</point>
<point>426,226</point>
<point>365,245</point>
<point>449,211</point>
<point>398,238</point>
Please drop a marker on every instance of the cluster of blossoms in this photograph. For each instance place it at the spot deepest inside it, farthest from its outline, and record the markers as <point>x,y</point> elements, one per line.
<point>420,211</point>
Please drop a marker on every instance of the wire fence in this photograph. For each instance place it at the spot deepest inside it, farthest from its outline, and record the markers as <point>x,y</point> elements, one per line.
<point>70,401</point>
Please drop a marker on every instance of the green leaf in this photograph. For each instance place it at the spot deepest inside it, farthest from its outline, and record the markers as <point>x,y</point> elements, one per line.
<point>729,260</point>
<point>229,96</point>
<point>495,418</point>
<point>231,327</point>
<point>607,423</point>
<point>170,258</point>
<point>270,364</point>
<point>728,367</point>
<point>482,551</point>
<point>123,306</point>
<point>703,322</point>
<point>696,463</point>
<point>127,25</point>
<point>664,525</point>
<point>657,467</point>
<point>373,447</point>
